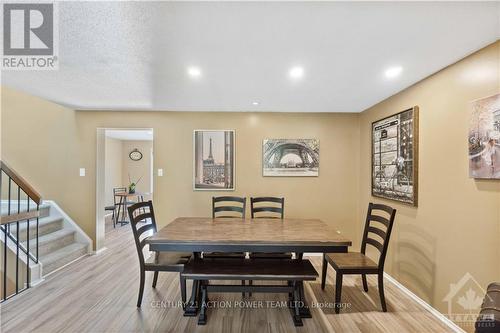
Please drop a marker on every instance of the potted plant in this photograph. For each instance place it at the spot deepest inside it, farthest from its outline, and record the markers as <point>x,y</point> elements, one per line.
<point>132,185</point>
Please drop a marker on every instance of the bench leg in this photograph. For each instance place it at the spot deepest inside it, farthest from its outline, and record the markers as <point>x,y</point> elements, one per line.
<point>250,282</point>
<point>192,306</point>
<point>338,292</point>
<point>297,320</point>
<point>304,309</point>
<point>182,281</point>
<point>243,293</point>
<point>202,319</point>
<point>323,272</point>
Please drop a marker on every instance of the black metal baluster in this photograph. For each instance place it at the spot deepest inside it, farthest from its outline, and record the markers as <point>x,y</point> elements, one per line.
<point>7,227</point>
<point>17,238</point>
<point>37,234</point>
<point>28,248</point>
<point>5,265</point>
<point>4,250</point>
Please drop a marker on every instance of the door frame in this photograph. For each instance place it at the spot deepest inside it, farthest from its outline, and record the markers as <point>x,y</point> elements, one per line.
<point>100,172</point>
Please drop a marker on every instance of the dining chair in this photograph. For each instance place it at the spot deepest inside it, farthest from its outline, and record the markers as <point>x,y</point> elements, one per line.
<point>162,261</point>
<point>270,208</point>
<point>377,233</point>
<point>227,207</point>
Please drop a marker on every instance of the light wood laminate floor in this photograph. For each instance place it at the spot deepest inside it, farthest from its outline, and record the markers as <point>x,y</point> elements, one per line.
<point>98,294</point>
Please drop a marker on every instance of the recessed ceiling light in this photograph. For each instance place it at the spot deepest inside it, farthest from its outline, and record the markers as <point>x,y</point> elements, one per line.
<point>296,72</point>
<point>194,71</point>
<point>255,103</point>
<point>393,72</point>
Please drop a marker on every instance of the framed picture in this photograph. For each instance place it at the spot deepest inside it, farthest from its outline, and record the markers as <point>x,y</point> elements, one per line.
<point>484,138</point>
<point>395,157</point>
<point>213,160</point>
<point>290,158</point>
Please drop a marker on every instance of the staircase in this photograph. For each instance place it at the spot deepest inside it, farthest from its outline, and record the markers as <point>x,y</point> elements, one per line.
<point>36,237</point>
<point>58,243</point>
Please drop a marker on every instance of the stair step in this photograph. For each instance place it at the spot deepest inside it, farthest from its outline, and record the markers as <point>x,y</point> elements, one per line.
<point>62,256</point>
<point>53,241</point>
<point>43,208</point>
<point>46,225</point>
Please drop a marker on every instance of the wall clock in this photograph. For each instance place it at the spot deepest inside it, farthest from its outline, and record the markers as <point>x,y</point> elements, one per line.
<point>135,155</point>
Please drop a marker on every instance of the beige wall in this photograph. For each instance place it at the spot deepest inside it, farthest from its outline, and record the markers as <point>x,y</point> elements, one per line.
<point>62,140</point>
<point>41,141</point>
<point>113,165</point>
<point>456,228</point>
<point>137,169</point>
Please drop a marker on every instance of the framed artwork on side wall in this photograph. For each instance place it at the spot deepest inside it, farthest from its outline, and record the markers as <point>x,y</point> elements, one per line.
<point>290,157</point>
<point>484,138</point>
<point>395,157</point>
<point>213,160</point>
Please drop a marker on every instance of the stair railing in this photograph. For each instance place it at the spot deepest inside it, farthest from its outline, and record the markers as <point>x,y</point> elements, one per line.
<point>20,206</point>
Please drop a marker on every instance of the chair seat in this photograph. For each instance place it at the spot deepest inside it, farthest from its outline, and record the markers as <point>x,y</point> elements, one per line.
<point>168,259</point>
<point>350,261</point>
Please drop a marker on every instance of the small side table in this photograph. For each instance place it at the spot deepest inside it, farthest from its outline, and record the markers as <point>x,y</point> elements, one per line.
<point>124,203</point>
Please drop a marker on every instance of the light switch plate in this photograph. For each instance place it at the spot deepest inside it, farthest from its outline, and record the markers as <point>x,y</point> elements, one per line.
<point>160,172</point>
<point>82,172</point>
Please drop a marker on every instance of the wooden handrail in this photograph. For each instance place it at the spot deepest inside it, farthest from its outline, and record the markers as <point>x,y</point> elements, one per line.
<point>22,183</point>
<point>32,214</point>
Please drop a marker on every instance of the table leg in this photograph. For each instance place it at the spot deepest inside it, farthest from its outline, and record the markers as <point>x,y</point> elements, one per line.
<point>304,308</point>
<point>192,306</point>
<point>117,216</point>
<point>125,212</point>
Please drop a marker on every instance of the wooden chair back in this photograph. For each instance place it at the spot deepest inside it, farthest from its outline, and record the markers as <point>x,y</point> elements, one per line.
<point>267,207</point>
<point>235,206</point>
<point>118,190</point>
<point>378,230</point>
<point>141,212</point>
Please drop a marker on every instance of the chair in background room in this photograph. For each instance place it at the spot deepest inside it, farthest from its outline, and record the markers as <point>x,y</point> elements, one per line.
<point>119,203</point>
<point>162,261</point>
<point>376,235</point>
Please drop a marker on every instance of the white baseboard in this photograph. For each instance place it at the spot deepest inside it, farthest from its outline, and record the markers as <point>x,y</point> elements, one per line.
<point>101,250</point>
<point>65,265</point>
<point>425,305</point>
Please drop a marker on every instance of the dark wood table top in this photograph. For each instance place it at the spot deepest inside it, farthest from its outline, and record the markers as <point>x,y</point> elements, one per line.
<point>198,234</point>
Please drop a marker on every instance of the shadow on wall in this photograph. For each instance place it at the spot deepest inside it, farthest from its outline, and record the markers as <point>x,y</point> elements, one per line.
<point>415,262</point>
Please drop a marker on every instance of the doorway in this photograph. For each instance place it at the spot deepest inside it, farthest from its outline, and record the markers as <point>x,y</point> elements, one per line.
<point>124,165</point>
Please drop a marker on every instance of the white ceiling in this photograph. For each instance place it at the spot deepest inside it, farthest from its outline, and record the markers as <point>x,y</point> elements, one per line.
<point>130,135</point>
<point>134,55</point>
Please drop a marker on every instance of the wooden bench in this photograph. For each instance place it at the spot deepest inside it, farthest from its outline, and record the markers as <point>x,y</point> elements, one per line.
<point>293,272</point>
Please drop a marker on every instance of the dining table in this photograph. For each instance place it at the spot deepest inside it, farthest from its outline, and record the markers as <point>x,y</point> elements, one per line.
<point>204,234</point>
<point>124,203</point>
